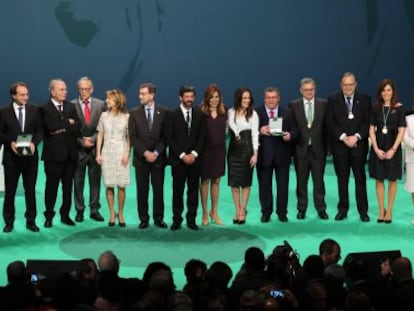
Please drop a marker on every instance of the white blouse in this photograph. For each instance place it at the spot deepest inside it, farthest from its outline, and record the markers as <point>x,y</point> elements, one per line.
<point>240,124</point>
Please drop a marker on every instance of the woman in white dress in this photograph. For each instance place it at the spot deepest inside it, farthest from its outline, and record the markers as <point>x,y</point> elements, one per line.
<point>112,152</point>
<point>409,156</point>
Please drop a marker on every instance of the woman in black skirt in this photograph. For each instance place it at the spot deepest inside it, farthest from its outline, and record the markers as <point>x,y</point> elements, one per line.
<point>242,153</point>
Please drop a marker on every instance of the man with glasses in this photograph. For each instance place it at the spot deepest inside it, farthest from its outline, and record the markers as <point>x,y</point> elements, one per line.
<point>277,132</point>
<point>311,147</point>
<point>348,124</point>
<point>89,110</point>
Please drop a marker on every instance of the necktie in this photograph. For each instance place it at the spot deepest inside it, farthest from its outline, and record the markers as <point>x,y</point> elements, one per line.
<point>271,114</point>
<point>309,114</point>
<point>87,112</point>
<point>149,118</point>
<point>60,107</point>
<point>187,119</point>
<point>349,103</point>
<point>21,118</point>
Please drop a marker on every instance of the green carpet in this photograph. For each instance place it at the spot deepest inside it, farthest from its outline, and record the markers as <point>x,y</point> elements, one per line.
<point>137,248</point>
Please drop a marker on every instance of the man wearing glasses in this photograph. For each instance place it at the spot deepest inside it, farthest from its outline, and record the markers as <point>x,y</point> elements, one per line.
<point>89,110</point>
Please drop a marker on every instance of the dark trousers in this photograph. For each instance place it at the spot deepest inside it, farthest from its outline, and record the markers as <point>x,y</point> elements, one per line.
<point>87,162</point>
<point>143,173</point>
<point>183,174</point>
<point>59,172</point>
<point>27,168</point>
<point>343,165</point>
<point>265,175</point>
<point>305,166</point>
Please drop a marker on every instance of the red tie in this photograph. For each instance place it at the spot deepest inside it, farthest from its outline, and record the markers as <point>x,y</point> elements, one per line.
<point>272,114</point>
<point>87,112</point>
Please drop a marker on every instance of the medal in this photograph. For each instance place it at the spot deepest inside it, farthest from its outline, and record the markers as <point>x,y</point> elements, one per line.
<point>384,130</point>
<point>350,115</point>
<point>309,125</point>
<point>237,137</point>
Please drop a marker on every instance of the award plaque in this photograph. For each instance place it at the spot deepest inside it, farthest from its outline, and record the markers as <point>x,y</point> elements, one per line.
<point>275,125</point>
<point>23,144</point>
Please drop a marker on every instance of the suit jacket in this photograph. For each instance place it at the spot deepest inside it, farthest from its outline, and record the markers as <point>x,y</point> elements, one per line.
<point>10,129</point>
<point>338,122</point>
<point>318,133</point>
<point>97,106</point>
<point>409,139</point>
<point>274,147</point>
<point>178,139</point>
<point>60,137</point>
<point>143,139</point>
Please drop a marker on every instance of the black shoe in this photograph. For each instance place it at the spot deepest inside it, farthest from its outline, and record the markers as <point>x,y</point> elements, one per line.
<point>235,221</point>
<point>283,218</point>
<point>388,221</point>
<point>143,225</point>
<point>175,226</point>
<point>195,227</point>
<point>265,218</point>
<point>161,224</point>
<point>67,221</point>
<point>122,224</point>
<point>96,216</point>
<point>111,224</point>
<point>8,228</point>
<point>301,215</point>
<point>79,216</point>
<point>48,223</point>
<point>323,215</point>
<point>340,216</point>
<point>364,217</point>
<point>32,227</point>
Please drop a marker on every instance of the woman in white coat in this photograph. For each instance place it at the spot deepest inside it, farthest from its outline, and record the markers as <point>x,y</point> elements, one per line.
<point>409,156</point>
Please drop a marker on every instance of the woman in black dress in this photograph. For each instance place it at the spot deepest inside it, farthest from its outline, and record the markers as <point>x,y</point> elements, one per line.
<point>242,153</point>
<point>386,132</point>
<point>214,152</point>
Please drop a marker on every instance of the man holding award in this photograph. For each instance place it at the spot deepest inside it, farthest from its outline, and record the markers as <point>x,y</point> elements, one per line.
<point>20,132</point>
<point>277,132</point>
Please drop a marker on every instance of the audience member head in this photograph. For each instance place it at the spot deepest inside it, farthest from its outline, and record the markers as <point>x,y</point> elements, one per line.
<point>162,281</point>
<point>313,266</point>
<point>251,300</point>
<point>151,269</point>
<point>179,301</point>
<point>16,273</point>
<point>357,270</point>
<point>402,270</point>
<point>195,270</point>
<point>87,269</point>
<point>254,259</point>
<point>358,301</point>
<point>108,262</point>
<point>219,275</point>
<point>330,251</point>
<point>335,273</point>
<point>315,297</point>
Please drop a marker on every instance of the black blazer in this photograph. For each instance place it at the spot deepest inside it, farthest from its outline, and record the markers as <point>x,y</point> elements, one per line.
<point>338,122</point>
<point>318,133</point>
<point>60,137</point>
<point>178,138</point>
<point>142,138</point>
<point>10,129</point>
<point>274,147</point>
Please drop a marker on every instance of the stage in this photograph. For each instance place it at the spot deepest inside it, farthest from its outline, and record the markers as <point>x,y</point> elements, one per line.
<point>137,248</point>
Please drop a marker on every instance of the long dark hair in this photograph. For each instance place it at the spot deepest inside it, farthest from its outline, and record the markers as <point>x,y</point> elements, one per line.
<point>238,100</point>
<point>381,87</point>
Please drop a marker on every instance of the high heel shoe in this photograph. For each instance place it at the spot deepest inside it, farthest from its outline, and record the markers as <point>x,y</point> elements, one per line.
<point>204,222</point>
<point>242,222</point>
<point>379,220</point>
<point>122,224</point>
<point>215,219</point>
<point>235,221</point>
<point>111,224</point>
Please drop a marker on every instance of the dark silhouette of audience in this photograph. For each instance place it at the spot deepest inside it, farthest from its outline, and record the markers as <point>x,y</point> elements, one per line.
<point>278,282</point>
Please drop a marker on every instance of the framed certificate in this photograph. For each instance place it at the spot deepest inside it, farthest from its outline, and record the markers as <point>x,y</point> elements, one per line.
<point>275,125</point>
<point>23,144</point>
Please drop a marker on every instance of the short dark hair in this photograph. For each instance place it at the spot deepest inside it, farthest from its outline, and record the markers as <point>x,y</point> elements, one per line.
<point>16,272</point>
<point>186,89</point>
<point>327,246</point>
<point>150,86</point>
<point>13,87</point>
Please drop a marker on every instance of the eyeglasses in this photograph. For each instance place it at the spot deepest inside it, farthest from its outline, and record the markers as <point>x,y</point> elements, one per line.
<point>83,89</point>
<point>308,90</point>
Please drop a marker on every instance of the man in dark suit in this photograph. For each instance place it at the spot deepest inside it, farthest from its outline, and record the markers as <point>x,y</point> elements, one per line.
<point>275,152</point>
<point>146,132</point>
<point>20,118</point>
<point>89,110</point>
<point>348,123</point>
<point>60,153</point>
<point>310,148</point>
<point>185,138</point>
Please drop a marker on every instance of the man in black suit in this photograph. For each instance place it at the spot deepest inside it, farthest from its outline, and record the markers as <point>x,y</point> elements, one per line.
<point>146,132</point>
<point>277,132</point>
<point>20,118</point>
<point>310,148</point>
<point>60,153</point>
<point>89,110</point>
<point>185,137</point>
<point>348,123</point>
